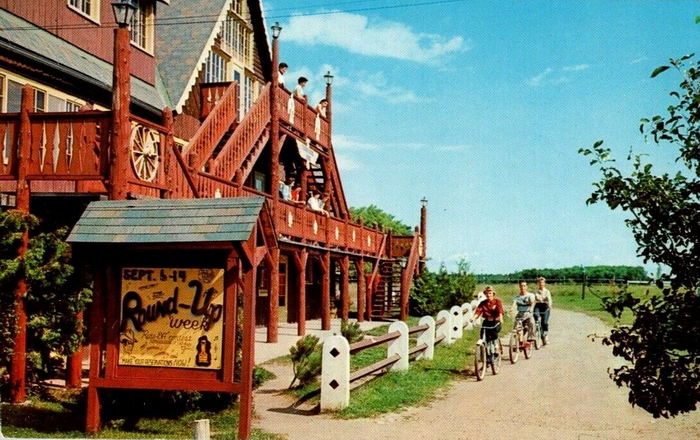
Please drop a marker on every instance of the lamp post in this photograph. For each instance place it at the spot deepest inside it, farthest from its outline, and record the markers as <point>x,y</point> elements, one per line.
<point>329,110</point>
<point>423,229</point>
<point>121,97</point>
<point>583,282</point>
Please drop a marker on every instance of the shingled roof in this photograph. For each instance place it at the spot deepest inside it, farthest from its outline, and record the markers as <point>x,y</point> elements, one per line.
<point>182,47</point>
<point>168,221</point>
<point>36,43</point>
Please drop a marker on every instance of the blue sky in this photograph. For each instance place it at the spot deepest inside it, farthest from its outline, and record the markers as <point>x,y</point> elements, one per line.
<point>481,106</point>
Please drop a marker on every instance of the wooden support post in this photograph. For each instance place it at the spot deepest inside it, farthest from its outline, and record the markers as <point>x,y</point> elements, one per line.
<point>95,337</point>
<point>121,98</point>
<point>274,294</point>
<point>326,291</point>
<point>344,290</point>
<point>18,363</point>
<point>361,289</point>
<point>300,260</point>
<point>167,152</point>
<point>74,363</point>
<point>248,350</point>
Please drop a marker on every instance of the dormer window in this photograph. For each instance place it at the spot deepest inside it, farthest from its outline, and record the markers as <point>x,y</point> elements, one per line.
<point>142,25</point>
<point>88,8</point>
<point>215,68</point>
<point>235,38</point>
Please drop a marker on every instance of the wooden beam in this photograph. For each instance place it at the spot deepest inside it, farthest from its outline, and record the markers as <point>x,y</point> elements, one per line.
<point>326,291</point>
<point>300,260</point>
<point>260,255</point>
<point>361,289</point>
<point>344,286</point>
<point>273,303</point>
<point>248,353</point>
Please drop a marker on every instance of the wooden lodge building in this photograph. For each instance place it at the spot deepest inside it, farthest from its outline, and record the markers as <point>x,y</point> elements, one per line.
<point>200,116</point>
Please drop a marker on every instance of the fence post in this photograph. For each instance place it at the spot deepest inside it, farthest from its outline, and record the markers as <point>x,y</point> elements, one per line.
<point>427,337</point>
<point>399,346</point>
<point>467,314</point>
<point>444,328</point>
<point>335,373</point>
<point>456,314</point>
<point>202,429</point>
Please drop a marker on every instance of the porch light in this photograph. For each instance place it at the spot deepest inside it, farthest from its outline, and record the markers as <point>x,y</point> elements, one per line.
<point>123,12</point>
<point>403,261</point>
<point>276,29</point>
<point>424,202</point>
<point>329,78</point>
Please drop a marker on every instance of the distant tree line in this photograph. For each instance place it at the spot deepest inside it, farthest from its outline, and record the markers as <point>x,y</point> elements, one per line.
<point>373,216</point>
<point>572,274</point>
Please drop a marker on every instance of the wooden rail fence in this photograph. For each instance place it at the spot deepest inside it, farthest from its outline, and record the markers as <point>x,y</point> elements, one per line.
<point>336,378</point>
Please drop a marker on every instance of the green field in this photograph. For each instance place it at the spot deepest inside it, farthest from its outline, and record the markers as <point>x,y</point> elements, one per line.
<point>568,297</point>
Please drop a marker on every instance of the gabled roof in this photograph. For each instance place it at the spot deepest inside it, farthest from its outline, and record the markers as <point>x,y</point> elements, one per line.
<point>43,47</point>
<point>168,220</point>
<point>182,46</point>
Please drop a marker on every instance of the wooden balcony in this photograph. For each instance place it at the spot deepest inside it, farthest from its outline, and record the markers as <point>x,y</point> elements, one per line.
<point>297,114</point>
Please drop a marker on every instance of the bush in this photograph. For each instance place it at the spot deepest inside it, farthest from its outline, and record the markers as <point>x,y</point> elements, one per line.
<point>351,331</point>
<point>306,360</point>
<point>435,291</point>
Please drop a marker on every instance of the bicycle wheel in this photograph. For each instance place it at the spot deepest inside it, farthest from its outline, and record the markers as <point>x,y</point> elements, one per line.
<point>497,351</point>
<point>480,362</point>
<point>513,348</point>
<point>538,335</point>
<point>527,348</point>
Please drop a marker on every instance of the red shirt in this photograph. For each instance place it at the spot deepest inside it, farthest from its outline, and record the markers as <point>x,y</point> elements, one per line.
<point>490,309</point>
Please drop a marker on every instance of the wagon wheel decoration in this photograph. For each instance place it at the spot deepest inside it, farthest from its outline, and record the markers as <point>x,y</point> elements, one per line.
<point>145,147</point>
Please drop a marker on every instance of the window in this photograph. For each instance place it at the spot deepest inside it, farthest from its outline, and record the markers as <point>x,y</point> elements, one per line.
<point>39,100</point>
<point>142,25</point>
<point>235,38</point>
<point>215,69</point>
<point>57,104</point>
<point>72,106</point>
<point>2,92</point>
<point>247,94</point>
<point>89,8</point>
<point>14,96</point>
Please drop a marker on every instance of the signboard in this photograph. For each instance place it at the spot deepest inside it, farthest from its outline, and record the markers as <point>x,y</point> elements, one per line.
<point>171,317</point>
<point>306,152</point>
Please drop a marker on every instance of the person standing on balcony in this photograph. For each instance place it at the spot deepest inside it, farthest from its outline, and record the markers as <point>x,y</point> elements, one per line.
<point>299,89</point>
<point>315,204</point>
<point>286,189</point>
<point>321,107</point>
<point>296,194</point>
<point>280,77</point>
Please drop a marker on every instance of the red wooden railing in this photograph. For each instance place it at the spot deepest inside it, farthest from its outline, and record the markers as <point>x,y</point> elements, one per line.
<point>246,135</point>
<point>205,140</point>
<point>69,145</point>
<point>9,123</point>
<point>298,114</point>
<point>209,95</point>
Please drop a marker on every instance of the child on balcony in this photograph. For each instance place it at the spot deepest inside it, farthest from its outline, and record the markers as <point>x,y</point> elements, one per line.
<point>299,89</point>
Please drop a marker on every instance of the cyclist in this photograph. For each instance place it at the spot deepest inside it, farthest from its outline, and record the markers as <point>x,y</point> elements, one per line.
<point>492,310</point>
<point>543,305</point>
<point>525,304</point>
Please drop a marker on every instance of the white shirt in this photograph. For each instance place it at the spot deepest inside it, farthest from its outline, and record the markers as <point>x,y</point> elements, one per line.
<point>315,204</point>
<point>299,91</point>
<point>280,79</point>
<point>544,296</point>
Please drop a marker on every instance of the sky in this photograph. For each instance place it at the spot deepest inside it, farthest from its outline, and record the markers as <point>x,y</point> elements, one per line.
<point>481,107</point>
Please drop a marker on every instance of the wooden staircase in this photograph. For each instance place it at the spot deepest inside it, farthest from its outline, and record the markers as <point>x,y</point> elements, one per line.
<point>386,300</point>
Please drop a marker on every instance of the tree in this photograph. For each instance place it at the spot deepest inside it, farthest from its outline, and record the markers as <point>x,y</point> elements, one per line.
<point>435,291</point>
<point>661,347</point>
<point>373,216</point>
<point>56,292</point>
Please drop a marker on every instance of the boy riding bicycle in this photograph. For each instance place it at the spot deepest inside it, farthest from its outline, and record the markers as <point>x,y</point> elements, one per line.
<point>491,309</point>
<point>525,303</point>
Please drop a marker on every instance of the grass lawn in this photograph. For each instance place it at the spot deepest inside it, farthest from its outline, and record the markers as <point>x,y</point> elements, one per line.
<point>60,414</point>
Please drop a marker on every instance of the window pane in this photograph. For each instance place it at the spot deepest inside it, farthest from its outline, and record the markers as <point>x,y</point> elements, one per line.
<point>14,96</point>
<point>56,104</point>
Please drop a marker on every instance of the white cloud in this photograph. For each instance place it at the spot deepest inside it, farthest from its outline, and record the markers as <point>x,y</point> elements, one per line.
<point>375,85</point>
<point>355,33</point>
<point>575,68</point>
<point>347,163</point>
<point>343,142</point>
<point>552,76</point>
<point>638,60</point>
<point>538,79</point>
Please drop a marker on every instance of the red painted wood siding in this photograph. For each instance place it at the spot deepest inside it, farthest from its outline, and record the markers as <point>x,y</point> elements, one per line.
<point>97,39</point>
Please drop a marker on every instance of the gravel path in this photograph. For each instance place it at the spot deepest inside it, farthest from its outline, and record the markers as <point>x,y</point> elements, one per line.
<point>562,392</point>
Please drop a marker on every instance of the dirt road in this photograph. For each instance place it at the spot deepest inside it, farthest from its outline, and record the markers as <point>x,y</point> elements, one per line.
<point>562,392</point>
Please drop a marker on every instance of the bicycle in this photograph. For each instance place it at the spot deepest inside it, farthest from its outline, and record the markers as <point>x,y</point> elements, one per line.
<point>517,342</point>
<point>541,338</point>
<point>487,353</point>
